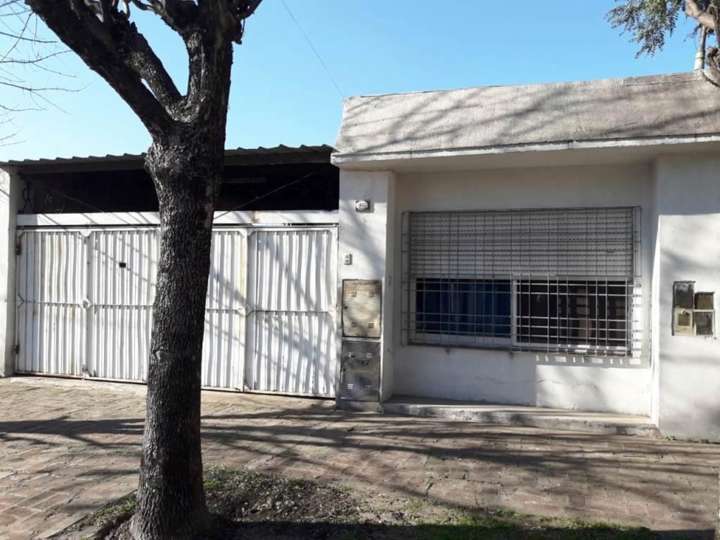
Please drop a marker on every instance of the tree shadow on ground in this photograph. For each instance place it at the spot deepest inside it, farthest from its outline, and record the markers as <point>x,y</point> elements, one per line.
<point>481,531</point>
<point>463,465</point>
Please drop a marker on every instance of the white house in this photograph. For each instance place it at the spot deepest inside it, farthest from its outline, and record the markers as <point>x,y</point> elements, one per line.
<point>549,245</point>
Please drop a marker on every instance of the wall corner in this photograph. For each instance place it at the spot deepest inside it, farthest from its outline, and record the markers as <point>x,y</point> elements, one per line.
<point>9,191</point>
<point>365,250</point>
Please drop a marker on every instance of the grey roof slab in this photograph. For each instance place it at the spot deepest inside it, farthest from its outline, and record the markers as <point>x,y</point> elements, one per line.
<point>677,106</point>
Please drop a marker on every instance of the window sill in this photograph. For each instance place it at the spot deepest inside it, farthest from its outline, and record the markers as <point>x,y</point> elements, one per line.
<point>547,357</point>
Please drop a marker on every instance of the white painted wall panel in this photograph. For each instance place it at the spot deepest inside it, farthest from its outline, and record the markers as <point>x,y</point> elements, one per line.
<point>688,217</point>
<point>519,377</point>
<point>368,238</point>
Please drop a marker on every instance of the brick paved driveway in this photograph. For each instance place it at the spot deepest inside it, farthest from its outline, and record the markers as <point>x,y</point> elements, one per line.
<point>67,447</point>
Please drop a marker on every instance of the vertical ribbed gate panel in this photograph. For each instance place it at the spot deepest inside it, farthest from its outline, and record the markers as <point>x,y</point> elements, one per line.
<point>291,342</point>
<point>85,306</point>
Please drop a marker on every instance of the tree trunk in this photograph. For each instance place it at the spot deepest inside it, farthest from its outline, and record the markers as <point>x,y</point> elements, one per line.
<point>186,169</point>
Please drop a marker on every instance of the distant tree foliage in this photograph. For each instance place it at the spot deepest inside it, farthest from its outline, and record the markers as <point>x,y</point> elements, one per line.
<point>650,22</point>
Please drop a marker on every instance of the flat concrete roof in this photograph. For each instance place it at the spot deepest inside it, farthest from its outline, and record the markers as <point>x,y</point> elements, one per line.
<point>653,111</point>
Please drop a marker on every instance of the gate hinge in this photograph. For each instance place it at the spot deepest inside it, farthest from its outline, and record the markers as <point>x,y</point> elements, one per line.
<point>16,348</point>
<point>18,246</point>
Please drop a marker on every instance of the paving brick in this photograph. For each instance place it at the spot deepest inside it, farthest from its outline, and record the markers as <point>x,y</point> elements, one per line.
<point>70,446</point>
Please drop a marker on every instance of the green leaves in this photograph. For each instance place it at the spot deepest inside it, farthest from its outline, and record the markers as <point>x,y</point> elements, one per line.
<point>648,21</point>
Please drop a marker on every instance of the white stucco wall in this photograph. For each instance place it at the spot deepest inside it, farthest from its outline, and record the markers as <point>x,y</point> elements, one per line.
<point>688,249</point>
<point>9,188</point>
<point>519,377</point>
<point>367,237</point>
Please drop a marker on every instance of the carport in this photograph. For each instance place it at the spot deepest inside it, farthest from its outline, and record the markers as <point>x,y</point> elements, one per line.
<point>85,242</point>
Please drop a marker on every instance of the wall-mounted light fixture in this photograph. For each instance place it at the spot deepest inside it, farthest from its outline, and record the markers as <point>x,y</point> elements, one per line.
<point>362,205</point>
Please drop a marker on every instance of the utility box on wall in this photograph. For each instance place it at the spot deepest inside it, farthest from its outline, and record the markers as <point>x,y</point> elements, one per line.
<point>693,313</point>
<point>360,369</point>
<point>362,304</point>
<point>361,324</point>
<point>704,314</point>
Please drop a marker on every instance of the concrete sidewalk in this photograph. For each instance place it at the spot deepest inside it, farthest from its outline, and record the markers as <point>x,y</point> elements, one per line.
<point>521,416</point>
<point>67,447</point>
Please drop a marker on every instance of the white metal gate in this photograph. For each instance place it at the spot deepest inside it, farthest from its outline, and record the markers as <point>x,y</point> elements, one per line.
<point>51,287</point>
<point>291,348</point>
<point>85,306</point>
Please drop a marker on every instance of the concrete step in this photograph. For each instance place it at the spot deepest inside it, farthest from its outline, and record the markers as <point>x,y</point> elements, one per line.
<point>510,415</point>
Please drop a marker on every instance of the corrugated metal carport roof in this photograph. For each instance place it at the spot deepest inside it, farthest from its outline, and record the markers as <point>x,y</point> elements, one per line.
<point>280,154</point>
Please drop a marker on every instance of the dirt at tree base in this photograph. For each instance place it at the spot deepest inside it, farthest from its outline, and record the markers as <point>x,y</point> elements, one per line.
<point>264,504</point>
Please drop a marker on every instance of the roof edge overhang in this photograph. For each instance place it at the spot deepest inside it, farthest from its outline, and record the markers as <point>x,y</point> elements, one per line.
<point>643,148</point>
<point>279,155</point>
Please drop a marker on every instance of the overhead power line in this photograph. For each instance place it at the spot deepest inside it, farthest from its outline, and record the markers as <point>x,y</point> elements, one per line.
<point>314,50</point>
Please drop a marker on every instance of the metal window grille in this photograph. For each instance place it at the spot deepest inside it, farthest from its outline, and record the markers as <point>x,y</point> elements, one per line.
<point>551,280</point>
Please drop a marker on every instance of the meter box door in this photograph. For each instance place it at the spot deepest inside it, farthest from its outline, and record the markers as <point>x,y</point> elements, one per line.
<point>361,320</point>
<point>693,312</point>
<point>704,314</point>
<point>361,308</point>
<point>360,371</point>
<point>683,303</point>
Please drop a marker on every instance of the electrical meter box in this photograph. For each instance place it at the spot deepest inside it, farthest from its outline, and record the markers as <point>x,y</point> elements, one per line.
<point>361,308</point>
<point>693,313</point>
<point>683,303</point>
<point>704,314</point>
<point>360,370</point>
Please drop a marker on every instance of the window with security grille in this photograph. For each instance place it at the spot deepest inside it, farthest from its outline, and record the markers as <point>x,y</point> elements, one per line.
<point>550,280</point>
<point>463,307</point>
<point>581,313</point>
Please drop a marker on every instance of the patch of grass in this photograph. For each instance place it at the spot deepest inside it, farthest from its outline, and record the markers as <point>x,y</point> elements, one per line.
<point>502,525</point>
<point>117,510</point>
<point>101,522</point>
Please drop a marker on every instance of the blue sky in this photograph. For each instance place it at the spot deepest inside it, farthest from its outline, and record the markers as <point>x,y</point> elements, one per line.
<point>282,94</point>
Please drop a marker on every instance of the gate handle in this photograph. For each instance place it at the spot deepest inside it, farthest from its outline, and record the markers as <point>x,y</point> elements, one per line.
<point>86,303</point>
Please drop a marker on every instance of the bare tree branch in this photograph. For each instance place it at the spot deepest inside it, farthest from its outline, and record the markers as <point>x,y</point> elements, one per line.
<point>702,16</point>
<point>26,61</point>
<point>115,51</point>
<point>22,53</point>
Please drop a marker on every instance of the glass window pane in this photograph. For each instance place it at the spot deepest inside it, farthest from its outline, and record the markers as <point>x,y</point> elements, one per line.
<point>469,307</point>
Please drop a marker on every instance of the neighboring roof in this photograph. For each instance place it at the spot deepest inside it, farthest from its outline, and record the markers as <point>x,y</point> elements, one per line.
<point>239,156</point>
<point>665,109</point>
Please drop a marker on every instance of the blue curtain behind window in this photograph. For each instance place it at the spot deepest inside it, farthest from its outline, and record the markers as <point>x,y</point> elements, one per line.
<point>471,307</point>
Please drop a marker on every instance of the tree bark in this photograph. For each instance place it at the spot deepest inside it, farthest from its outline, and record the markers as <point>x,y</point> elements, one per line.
<point>185,162</point>
<point>186,169</point>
